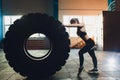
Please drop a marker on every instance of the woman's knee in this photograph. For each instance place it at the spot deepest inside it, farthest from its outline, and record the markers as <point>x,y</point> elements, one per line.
<point>80,53</point>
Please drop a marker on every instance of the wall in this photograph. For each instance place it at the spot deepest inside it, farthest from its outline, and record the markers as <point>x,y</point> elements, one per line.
<point>117,5</point>
<point>21,7</point>
<point>109,1</point>
<point>13,7</point>
<point>81,7</point>
<point>85,8</point>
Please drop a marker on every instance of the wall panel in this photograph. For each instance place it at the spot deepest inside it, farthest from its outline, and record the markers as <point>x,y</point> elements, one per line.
<point>11,7</point>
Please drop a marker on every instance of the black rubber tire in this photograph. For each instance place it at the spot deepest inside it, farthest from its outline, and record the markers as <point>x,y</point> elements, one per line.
<point>15,39</point>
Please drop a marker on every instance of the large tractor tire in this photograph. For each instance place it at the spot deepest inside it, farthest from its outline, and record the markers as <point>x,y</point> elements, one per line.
<point>15,45</point>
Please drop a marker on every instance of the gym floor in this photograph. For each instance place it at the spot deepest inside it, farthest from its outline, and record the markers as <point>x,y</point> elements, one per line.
<point>108,65</point>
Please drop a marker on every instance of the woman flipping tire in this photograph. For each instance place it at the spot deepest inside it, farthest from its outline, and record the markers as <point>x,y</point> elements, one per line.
<point>16,38</point>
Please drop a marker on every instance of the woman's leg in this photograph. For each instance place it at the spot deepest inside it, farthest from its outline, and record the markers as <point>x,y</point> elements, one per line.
<point>81,58</point>
<point>94,59</point>
<point>81,55</point>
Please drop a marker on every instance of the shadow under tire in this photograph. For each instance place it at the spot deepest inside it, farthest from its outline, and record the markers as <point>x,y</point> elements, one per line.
<point>15,41</point>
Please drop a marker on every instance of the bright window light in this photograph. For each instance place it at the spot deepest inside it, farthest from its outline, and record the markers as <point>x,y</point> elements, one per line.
<point>8,20</point>
<point>36,35</point>
<point>13,18</point>
<point>93,25</point>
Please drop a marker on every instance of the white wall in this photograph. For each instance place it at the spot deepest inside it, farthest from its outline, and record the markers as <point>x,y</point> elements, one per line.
<point>90,11</point>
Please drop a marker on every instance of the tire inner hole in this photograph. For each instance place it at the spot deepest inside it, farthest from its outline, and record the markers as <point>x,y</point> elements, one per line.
<point>38,46</point>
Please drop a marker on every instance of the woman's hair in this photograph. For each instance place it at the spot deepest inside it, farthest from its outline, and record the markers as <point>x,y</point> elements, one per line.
<point>74,20</point>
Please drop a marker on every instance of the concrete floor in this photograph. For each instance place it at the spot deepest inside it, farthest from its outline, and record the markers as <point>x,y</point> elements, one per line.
<point>108,64</point>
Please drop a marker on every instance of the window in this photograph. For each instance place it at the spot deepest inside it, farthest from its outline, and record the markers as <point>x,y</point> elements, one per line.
<point>66,21</point>
<point>7,21</point>
<point>93,25</point>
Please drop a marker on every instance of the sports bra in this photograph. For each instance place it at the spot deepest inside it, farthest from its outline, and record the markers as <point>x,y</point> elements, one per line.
<point>80,32</point>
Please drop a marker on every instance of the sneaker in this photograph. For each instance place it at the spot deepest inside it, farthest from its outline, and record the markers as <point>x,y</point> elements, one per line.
<point>93,71</point>
<point>80,70</point>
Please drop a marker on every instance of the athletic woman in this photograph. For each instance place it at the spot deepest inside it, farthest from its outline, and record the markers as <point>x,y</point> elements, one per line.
<point>89,47</point>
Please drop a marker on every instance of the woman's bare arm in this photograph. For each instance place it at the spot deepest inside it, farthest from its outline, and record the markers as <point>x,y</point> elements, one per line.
<point>74,25</point>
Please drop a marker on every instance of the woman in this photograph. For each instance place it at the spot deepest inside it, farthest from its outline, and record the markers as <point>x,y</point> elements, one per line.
<point>89,47</point>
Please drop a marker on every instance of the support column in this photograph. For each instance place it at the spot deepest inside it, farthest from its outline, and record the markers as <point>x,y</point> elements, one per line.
<point>1,29</point>
<point>56,9</point>
<point>1,25</point>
